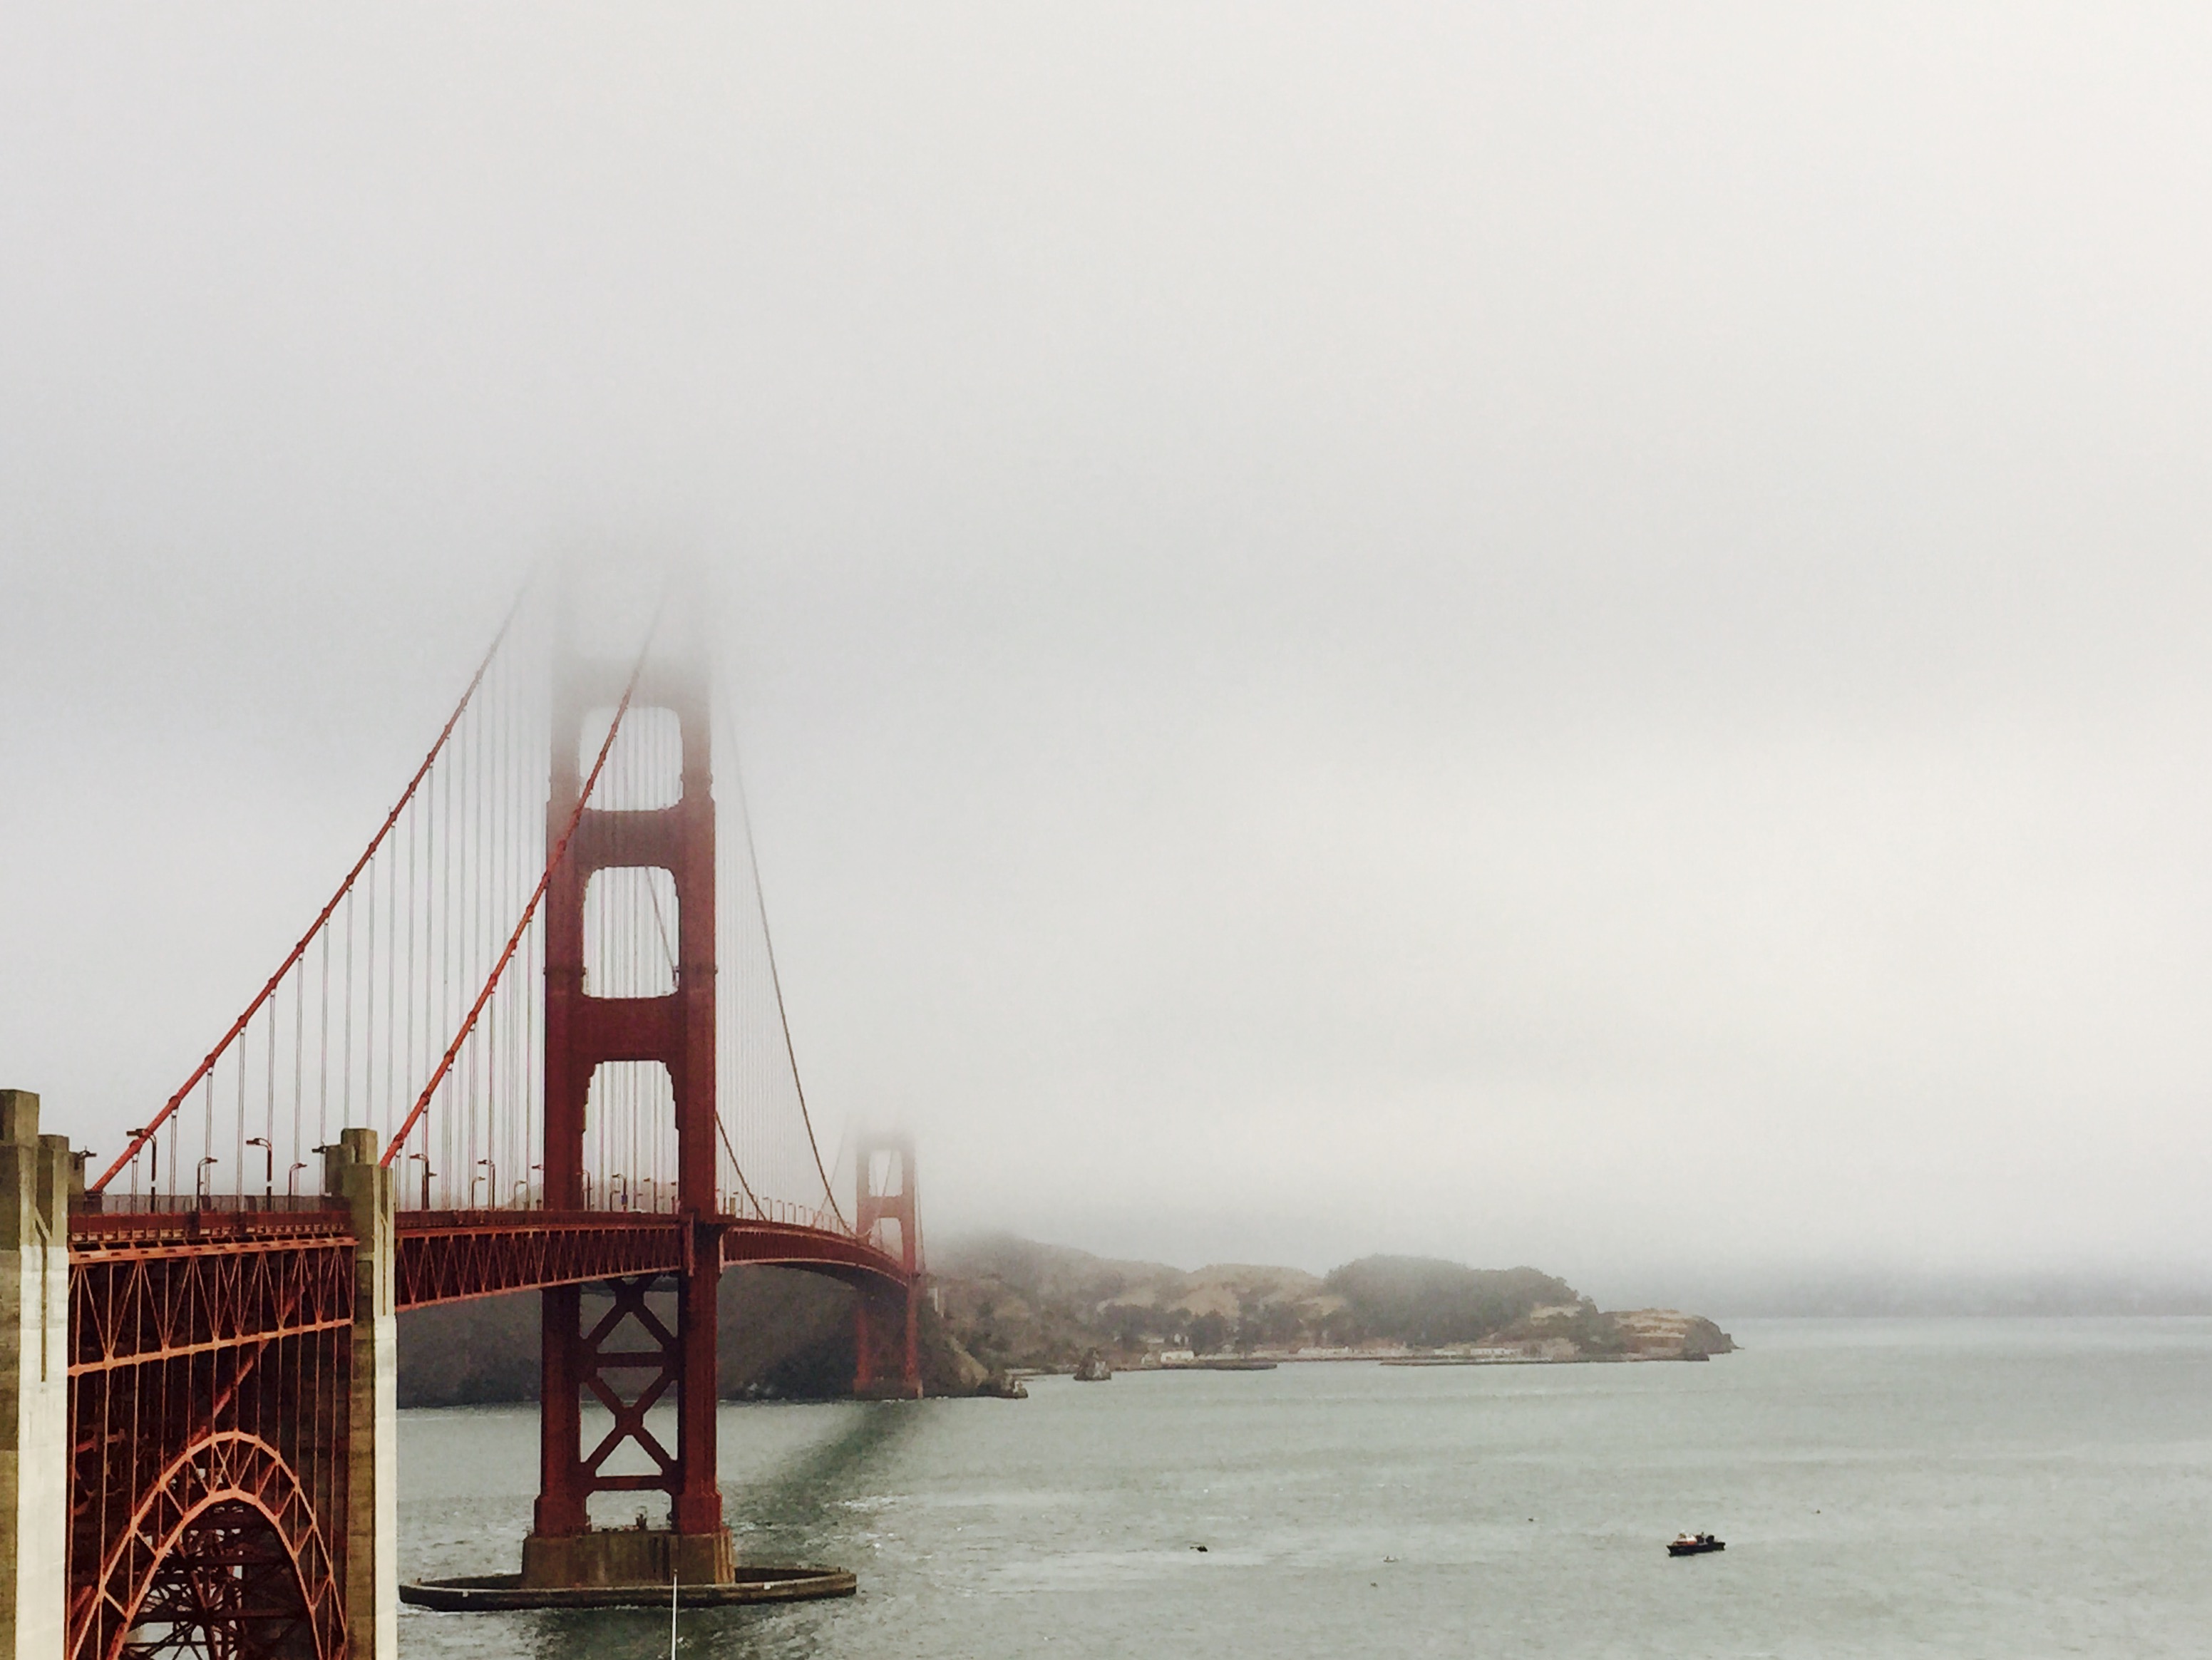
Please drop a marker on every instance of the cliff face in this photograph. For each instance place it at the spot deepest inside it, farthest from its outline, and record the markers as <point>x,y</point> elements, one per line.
<point>1671,1335</point>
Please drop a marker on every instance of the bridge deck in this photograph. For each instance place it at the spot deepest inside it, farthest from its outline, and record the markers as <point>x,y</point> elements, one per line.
<point>445,1256</point>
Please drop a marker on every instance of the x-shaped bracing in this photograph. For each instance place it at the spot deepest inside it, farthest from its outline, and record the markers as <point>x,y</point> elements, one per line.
<point>665,1361</point>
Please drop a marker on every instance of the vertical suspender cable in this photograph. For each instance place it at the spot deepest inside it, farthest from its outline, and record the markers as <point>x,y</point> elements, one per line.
<point>299,1058</point>
<point>323,1051</point>
<point>558,852</point>
<point>391,997</point>
<point>445,954</point>
<point>345,1050</point>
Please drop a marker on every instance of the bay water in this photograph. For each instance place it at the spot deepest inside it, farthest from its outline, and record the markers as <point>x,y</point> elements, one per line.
<point>1970,1487</point>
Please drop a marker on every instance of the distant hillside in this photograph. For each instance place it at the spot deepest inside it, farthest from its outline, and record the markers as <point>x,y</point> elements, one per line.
<point>1430,1303</point>
<point>1014,1303</point>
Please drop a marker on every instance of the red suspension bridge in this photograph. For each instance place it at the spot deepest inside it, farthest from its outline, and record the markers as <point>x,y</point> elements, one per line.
<point>530,1042</point>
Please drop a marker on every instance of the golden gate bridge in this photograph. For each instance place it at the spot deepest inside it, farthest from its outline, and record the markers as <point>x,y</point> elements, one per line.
<point>530,1042</point>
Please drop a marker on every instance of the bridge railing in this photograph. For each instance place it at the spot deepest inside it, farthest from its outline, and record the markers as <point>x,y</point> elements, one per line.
<point>782,1212</point>
<point>820,1218</point>
<point>227,1204</point>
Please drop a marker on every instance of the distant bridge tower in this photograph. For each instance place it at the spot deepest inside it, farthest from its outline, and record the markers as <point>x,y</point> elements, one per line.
<point>887,1321</point>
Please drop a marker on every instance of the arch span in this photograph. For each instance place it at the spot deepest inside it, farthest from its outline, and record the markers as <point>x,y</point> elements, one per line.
<point>223,1556</point>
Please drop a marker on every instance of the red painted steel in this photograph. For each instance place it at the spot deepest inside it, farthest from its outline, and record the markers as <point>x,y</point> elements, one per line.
<point>584,1032</point>
<point>447,1255</point>
<point>209,1368</point>
<point>783,1244</point>
<point>631,1381</point>
<point>210,1353</point>
<point>209,1382</point>
<point>231,1582</point>
<point>887,1317</point>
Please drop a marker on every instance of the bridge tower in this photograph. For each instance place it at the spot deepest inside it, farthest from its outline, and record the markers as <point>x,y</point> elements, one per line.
<point>632,1351</point>
<point>886,1321</point>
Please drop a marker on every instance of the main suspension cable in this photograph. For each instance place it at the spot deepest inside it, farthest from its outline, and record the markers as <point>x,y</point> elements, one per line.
<point>774,980</point>
<point>322,917</point>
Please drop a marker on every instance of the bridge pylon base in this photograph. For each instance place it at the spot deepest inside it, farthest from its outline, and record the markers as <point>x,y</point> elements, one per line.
<point>626,1556</point>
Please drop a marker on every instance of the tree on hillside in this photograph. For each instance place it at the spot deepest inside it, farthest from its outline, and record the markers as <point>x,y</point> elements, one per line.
<point>1426,1302</point>
<point>1209,1332</point>
<point>1269,1325</point>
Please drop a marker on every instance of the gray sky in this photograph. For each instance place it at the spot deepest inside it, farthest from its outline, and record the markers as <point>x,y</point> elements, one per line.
<point>1549,634</point>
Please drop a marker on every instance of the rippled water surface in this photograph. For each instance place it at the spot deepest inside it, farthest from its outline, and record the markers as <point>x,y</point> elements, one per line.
<point>2012,1488</point>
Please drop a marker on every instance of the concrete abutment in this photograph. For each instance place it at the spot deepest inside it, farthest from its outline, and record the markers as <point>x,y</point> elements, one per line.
<point>351,1173</point>
<point>36,1174</point>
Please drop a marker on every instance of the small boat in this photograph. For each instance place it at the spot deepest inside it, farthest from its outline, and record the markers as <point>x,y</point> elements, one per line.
<point>1694,1544</point>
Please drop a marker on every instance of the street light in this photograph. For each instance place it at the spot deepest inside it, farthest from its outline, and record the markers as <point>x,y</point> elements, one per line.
<point>292,1181</point>
<point>153,1147</point>
<point>199,1181</point>
<point>491,1179</point>
<point>325,1148</point>
<point>269,1175</point>
<point>426,1174</point>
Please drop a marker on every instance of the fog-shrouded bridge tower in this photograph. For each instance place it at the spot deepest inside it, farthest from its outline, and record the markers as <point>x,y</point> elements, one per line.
<point>629,1356</point>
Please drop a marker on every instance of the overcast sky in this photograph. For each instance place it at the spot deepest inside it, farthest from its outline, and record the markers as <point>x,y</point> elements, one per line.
<point>1568,634</point>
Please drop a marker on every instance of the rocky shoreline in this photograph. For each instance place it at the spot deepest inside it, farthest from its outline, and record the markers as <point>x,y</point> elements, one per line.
<point>1013,1305</point>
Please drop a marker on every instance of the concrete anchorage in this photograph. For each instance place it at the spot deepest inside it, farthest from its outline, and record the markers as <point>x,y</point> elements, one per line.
<point>35,1183</point>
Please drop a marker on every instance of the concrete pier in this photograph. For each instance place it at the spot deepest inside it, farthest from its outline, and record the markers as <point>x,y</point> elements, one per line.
<point>628,1556</point>
<point>350,1172</point>
<point>35,1173</point>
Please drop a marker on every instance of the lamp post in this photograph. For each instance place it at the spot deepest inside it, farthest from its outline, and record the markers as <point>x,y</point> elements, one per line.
<point>199,1181</point>
<point>153,1147</point>
<point>427,1173</point>
<point>292,1180</point>
<point>269,1174</point>
<point>489,1178</point>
